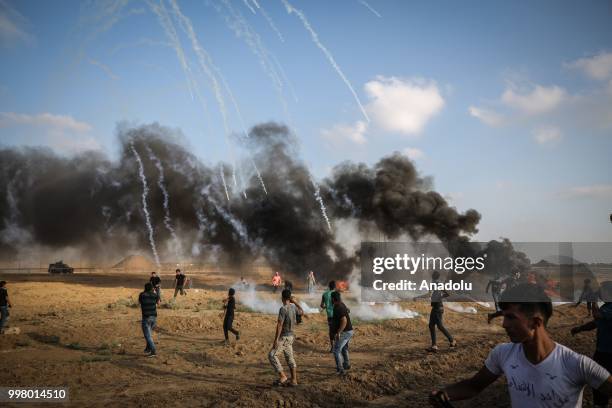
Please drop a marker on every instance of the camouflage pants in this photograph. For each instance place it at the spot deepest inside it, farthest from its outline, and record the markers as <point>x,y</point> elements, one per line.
<point>285,346</point>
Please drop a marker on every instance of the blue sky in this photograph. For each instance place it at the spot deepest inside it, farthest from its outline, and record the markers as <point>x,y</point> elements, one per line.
<point>507,105</point>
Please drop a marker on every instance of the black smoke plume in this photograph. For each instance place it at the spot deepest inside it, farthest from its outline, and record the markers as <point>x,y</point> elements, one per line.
<point>94,204</point>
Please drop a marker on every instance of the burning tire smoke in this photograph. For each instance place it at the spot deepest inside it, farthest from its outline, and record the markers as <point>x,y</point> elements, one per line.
<point>92,204</point>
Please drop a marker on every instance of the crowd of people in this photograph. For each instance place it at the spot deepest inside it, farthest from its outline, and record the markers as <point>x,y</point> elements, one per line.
<point>539,371</point>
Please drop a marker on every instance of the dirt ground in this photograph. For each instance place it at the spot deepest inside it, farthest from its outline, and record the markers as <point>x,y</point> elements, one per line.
<point>83,332</point>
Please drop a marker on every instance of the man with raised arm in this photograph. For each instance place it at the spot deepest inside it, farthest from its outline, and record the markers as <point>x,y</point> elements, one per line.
<point>539,371</point>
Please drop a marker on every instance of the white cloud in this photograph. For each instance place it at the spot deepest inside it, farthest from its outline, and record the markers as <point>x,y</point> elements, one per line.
<point>343,133</point>
<point>594,191</point>
<point>541,99</point>
<point>546,135</point>
<point>60,132</point>
<point>413,153</point>
<point>12,26</point>
<point>597,67</point>
<point>402,105</point>
<point>48,120</point>
<point>486,116</point>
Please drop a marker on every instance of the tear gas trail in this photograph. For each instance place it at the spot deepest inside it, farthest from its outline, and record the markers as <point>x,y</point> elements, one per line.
<point>145,192</point>
<point>221,171</point>
<point>236,22</point>
<point>246,3</point>
<point>315,38</point>
<point>366,5</point>
<point>317,194</point>
<point>168,26</point>
<point>209,68</point>
<point>166,203</point>
<point>269,20</point>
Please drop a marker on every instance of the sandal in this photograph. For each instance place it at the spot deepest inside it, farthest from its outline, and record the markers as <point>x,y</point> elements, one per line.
<point>279,383</point>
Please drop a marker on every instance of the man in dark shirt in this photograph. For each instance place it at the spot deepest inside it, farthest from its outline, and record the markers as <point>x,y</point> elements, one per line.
<point>435,317</point>
<point>603,349</point>
<point>156,282</point>
<point>4,305</point>
<point>179,282</point>
<point>343,329</point>
<point>148,304</point>
<point>229,304</point>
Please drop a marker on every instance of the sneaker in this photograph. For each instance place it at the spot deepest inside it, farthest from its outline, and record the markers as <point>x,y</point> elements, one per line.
<point>347,367</point>
<point>432,349</point>
<point>151,355</point>
<point>340,373</point>
<point>453,344</point>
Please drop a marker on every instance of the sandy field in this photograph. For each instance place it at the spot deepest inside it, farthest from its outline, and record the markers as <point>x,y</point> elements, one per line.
<point>83,332</point>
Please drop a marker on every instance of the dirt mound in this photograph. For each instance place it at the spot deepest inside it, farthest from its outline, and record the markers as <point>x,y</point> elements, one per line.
<point>137,262</point>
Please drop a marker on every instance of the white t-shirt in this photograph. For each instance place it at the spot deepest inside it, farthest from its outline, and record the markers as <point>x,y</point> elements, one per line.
<point>556,382</point>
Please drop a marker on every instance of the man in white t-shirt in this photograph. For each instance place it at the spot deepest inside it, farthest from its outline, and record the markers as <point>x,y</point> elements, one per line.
<point>539,372</point>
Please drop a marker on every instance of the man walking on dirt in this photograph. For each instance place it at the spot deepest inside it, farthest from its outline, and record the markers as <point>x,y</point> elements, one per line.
<point>327,304</point>
<point>229,304</point>
<point>283,339</point>
<point>156,282</point>
<point>148,305</point>
<point>539,371</point>
<point>343,332</point>
<point>5,304</point>
<point>179,282</point>
<point>436,315</point>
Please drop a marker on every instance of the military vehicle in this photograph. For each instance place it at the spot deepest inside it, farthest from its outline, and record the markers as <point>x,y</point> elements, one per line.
<point>60,267</point>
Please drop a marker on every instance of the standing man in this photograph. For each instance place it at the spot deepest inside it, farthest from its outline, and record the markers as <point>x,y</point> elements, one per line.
<point>327,304</point>
<point>156,282</point>
<point>343,332</point>
<point>496,287</point>
<point>539,371</point>
<point>435,317</point>
<point>283,339</point>
<point>179,282</point>
<point>589,296</point>
<point>311,282</point>
<point>148,305</point>
<point>229,304</point>
<point>5,304</point>
<point>276,281</point>
<point>603,349</point>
